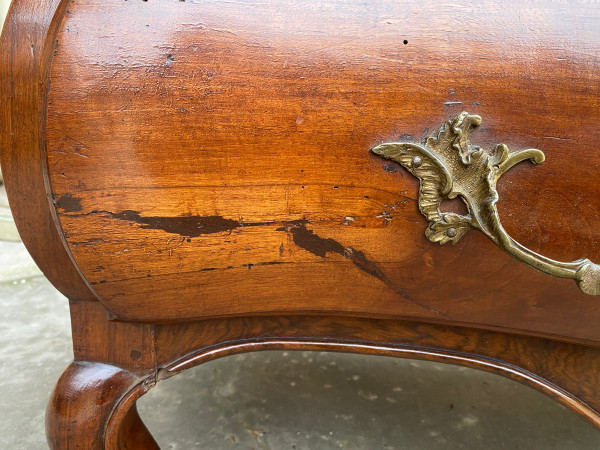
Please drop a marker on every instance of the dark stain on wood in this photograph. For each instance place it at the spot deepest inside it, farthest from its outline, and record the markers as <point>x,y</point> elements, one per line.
<point>189,226</point>
<point>68,203</point>
<point>309,241</point>
<point>318,246</point>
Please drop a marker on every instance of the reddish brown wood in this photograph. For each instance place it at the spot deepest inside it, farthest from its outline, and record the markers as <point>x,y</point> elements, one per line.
<point>132,433</point>
<point>569,373</point>
<point>86,399</point>
<point>205,157</point>
<point>25,50</point>
<point>208,164</point>
<point>93,404</point>
<point>95,338</point>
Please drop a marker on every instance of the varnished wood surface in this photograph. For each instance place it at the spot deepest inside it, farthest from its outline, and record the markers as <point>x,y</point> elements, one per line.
<point>93,406</point>
<point>98,339</point>
<point>84,413</point>
<point>569,373</point>
<point>25,53</point>
<point>211,158</point>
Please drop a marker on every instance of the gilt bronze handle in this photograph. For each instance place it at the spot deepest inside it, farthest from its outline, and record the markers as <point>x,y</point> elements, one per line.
<point>447,166</point>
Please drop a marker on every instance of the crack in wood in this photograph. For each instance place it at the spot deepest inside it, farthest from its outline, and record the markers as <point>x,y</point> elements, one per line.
<point>318,246</point>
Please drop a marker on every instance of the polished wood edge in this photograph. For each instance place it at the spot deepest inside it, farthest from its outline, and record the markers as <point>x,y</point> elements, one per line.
<point>116,363</point>
<point>416,319</point>
<point>444,356</point>
<point>93,407</point>
<point>125,425</point>
<point>27,46</point>
<point>570,373</point>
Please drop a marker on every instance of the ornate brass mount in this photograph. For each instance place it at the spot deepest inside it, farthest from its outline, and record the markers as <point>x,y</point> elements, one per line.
<point>448,166</point>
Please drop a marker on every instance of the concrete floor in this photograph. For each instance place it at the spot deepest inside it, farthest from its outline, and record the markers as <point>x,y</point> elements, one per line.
<point>277,400</point>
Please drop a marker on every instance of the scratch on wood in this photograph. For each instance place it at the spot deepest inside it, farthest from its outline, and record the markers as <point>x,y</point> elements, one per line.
<point>309,241</point>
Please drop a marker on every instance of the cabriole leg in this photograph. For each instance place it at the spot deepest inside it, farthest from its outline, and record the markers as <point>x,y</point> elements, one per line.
<point>93,407</point>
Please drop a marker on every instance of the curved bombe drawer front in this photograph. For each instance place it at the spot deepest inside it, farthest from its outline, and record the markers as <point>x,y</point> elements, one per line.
<point>212,158</point>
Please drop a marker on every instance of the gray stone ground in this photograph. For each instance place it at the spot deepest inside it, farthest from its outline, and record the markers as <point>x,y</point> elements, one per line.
<point>277,400</point>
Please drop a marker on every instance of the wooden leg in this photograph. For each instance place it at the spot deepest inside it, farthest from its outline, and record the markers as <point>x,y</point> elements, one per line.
<point>93,407</point>
<point>132,433</point>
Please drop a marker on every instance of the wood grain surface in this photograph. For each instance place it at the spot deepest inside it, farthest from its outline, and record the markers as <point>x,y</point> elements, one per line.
<point>568,373</point>
<point>93,407</point>
<point>111,383</point>
<point>26,49</point>
<point>211,158</point>
<point>94,403</point>
<point>208,162</point>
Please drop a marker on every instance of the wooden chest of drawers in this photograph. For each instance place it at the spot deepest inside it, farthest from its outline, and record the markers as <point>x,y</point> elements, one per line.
<point>202,178</point>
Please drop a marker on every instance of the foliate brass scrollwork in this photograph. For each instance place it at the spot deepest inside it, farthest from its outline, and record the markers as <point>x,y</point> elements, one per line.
<point>448,166</point>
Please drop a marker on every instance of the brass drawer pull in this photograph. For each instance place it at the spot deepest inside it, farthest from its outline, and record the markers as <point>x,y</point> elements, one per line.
<point>448,166</point>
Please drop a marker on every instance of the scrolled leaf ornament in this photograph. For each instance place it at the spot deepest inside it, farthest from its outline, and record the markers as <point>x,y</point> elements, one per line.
<point>447,166</point>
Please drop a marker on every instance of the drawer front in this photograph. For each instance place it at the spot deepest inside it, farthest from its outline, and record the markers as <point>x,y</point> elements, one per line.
<point>213,158</point>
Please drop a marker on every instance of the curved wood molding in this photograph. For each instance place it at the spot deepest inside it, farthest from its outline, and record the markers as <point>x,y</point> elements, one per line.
<point>569,373</point>
<point>146,354</point>
<point>100,399</point>
<point>444,356</point>
<point>27,44</point>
